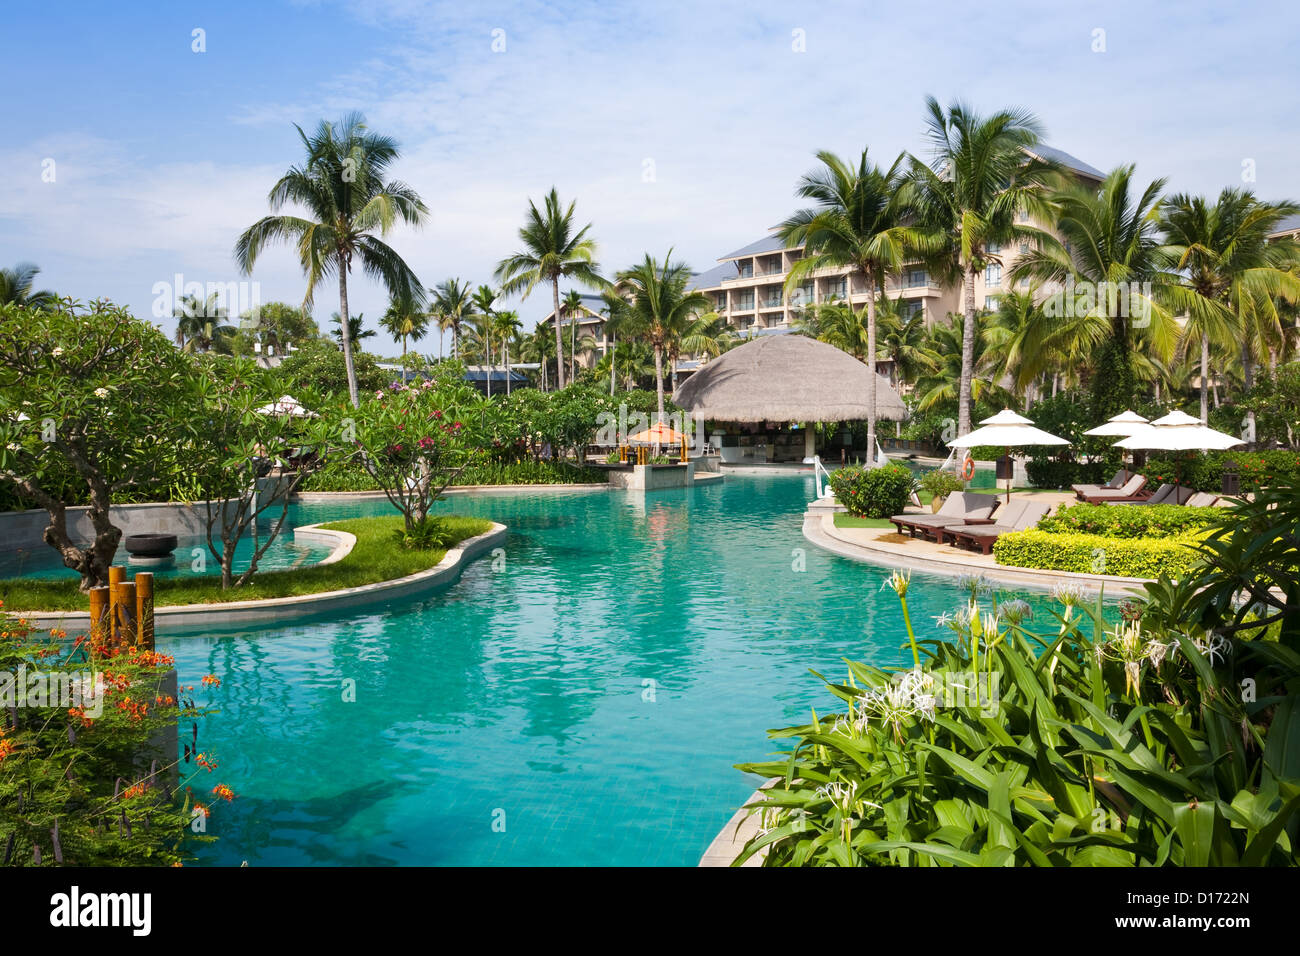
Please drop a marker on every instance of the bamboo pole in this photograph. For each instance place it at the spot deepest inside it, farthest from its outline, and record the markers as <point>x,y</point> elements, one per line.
<point>100,621</point>
<point>144,610</point>
<point>121,597</point>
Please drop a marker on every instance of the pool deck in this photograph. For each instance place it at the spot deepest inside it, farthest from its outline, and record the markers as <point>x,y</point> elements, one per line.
<point>887,548</point>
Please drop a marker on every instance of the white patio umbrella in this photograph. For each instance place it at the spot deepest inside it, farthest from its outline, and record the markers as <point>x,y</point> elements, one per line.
<point>286,405</point>
<point>1007,429</point>
<point>1122,425</point>
<point>1178,431</point>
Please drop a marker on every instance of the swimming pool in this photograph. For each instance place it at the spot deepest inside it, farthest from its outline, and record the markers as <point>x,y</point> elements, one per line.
<point>589,688</point>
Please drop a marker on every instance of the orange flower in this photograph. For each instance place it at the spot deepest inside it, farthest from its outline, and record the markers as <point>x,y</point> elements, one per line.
<point>211,680</point>
<point>207,762</point>
<point>6,748</point>
<point>224,792</point>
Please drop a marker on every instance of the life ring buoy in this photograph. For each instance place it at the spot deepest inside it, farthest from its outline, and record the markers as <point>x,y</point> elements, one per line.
<point>967,468</point>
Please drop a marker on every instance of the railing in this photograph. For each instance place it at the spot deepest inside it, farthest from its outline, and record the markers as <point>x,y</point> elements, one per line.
<point>819,470</point>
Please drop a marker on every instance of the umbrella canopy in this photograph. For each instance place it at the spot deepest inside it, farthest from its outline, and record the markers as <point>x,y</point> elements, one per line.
<point>1177,431</point>
<point>286,405</point>
<point>786,378</point>
<point>658,433</point>
<point>1121,425</point>
<point>1006,428</point>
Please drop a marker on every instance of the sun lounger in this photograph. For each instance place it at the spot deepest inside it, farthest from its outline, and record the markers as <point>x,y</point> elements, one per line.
<point>1202,499</point>
<point>983,536</point>
<point>1117,481</point>
<point>1132,491</point>
<point>959,507</point>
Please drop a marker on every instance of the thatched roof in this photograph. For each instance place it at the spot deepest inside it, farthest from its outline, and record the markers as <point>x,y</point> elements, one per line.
<point>791,378</point>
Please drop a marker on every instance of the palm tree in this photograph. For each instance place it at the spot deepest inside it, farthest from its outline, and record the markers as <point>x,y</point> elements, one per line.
<point>902,341</point>
<point>505,328</point>
<point>571,307</point>
<point>616,313</point>
<point>836,323</point>
<point>453,305</point>
<point>940,385</point>
<point>403,321</point>
<point>1112,275</point>
<point>342,188</point>
<point>979,179</point>
<point>200,322</point>
<point>660,309</point>
<point>863,220</point>
<point>551,250</point>
<point>356,332</point>
<point>16,287</point>
<point>539,347</point>
<point>1229,272</point>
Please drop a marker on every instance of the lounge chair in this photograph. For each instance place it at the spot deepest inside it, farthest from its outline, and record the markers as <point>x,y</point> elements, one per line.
<point>1166,494</point>
<point>960,506</point>
<point>1133,490</point>
<point>1202,499</point>
<point>1117,481</point>
<point>983,536</point>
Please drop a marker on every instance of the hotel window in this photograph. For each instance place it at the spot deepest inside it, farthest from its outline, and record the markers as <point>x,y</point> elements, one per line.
<point>772,298</point>
<point>745,300</point>
<point>746,269</point>
<point>835,287</point>
<point>913,308</point>
<point>990,303</point>
<point>1024,248</point>
<point>993,274</point>
<point>720,301</point>
<point>802,296</point>
<point>994,247</point>
<point>916,278</point>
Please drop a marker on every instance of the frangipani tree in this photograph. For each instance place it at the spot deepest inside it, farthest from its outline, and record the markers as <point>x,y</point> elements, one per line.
<point>98,393</point>
<point>413,440</point>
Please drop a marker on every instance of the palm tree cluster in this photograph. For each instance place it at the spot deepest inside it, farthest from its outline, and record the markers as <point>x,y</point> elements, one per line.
<point>1167,279</point>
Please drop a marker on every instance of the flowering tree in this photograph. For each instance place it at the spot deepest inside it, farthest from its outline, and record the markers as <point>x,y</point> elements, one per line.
<point>90,392</point>
<point>235,449</point>
<point>413,440</point>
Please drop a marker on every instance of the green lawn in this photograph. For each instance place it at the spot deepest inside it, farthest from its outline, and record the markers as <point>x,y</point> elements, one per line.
<point>374,558</point>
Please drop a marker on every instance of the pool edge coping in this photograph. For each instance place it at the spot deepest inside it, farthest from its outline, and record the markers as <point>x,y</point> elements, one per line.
<point>820,530</point>
<point>279,610</point>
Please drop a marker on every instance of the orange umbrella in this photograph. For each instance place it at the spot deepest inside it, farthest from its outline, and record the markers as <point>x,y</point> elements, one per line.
<point>658,433</point>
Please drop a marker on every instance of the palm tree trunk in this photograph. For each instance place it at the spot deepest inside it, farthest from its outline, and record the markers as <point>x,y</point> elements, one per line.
<point>345,333</point>
<point>613,347</point>
<point>507,345</point>
<point>1247,383</point>
<point>573,348</point>
<point>871,364</point>
<point>659,383</point>
<point>559,336</point>
<point>967,354</point>
<point>1205,379</point>
<point>489,372</point>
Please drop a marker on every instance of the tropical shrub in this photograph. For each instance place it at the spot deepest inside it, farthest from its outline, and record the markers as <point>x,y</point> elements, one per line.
<point>1130,521</point>
<point>530,473</point>
<point>428,534</point>
<point>1061,739</point>
<point>1097,554</point>
<point>1256,470</point>
<point>1046,472</point>
<point>873,492</point>
<point>318,366</point>
<point>940,483</point>
<point>83,780</point>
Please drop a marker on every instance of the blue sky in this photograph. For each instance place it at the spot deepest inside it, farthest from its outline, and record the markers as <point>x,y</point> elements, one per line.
<point>163,155</point>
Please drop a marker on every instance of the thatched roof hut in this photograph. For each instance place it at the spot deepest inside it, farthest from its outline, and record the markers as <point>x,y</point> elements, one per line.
<point>786,378</point>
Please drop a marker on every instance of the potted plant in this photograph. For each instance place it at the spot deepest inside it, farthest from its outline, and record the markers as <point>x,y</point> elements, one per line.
<point>940,484</point>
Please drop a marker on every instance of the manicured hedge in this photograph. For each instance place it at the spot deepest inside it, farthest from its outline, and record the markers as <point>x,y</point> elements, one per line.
<point>1051,473</point>
<point>873,492</point>
<point>1097,554</point>
<point>1205,472</point>
<point>1130,521</point>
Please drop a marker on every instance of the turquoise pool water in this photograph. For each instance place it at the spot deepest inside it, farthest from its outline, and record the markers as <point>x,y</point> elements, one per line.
<point>190,559</point>
<point>592,689</point>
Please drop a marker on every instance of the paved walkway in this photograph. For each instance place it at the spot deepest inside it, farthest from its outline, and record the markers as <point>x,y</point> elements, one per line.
<point>885,547</point>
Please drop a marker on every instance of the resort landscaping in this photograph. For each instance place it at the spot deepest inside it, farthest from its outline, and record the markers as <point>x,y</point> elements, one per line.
<point>1087,654</point>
